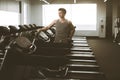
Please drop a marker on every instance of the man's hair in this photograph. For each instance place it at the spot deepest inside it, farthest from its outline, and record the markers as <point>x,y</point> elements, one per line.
<point>63,10</point>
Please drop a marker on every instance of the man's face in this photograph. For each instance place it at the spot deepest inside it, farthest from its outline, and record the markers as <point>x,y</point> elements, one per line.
<point>61,14</point>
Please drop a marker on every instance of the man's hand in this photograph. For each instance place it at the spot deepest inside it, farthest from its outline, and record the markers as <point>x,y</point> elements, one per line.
<point>48,27</point>
<point>38,30</point>
<point>43,29</point>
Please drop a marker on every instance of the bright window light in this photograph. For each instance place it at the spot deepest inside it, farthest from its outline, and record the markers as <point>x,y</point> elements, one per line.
<point>83,16</point>
<point>9,18</point>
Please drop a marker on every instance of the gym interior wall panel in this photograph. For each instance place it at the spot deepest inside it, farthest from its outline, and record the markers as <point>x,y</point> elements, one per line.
<point>9,5</point>
<point>101,19</point>
<point>3,5</point>
<point>28,12</point>
<point>25,15</point>
<point>13,6</point>
<point>36,12</point>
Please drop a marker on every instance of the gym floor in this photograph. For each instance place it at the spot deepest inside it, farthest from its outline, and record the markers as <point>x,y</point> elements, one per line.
<point>108,56</point>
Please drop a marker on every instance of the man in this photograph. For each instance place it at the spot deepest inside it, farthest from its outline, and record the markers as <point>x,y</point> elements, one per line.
<point>64,33</point>
<point>64,28</point>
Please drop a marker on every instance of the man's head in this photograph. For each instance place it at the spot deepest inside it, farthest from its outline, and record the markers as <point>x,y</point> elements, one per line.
<point>61,12</point>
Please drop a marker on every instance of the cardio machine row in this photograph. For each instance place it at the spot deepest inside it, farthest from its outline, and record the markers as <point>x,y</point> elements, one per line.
<point>46,60</point>
<point>19,47</point>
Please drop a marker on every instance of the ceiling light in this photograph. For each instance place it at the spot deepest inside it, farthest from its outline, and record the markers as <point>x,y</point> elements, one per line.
<point>45,1</point>
<point>105,0</point>
<point>75,1</point>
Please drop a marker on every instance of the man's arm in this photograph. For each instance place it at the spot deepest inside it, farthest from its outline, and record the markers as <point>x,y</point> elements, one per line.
<point>47,27</point>
<point>72,30</point>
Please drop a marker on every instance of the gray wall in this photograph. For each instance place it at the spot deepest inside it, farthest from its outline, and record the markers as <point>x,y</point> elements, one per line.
<point>9,5</point>
<point>36,12</point>
<point>22,15</point>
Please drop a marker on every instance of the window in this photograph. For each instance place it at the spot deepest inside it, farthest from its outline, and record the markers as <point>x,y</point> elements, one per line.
<point>83,16</point>
<point>9,18</point>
